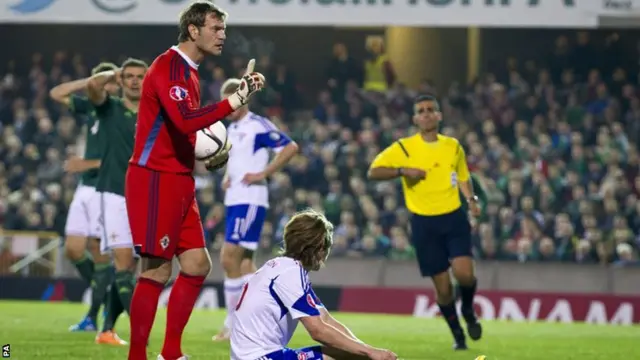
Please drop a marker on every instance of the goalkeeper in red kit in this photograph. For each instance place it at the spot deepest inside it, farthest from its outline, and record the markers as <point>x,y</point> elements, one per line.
<point>160,189</point>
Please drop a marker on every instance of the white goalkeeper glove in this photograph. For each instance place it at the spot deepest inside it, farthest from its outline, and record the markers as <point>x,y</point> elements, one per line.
<point>219,160</point>
<point>250,83</point>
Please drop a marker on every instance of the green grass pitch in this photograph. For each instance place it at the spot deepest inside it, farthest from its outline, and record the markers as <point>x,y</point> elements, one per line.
<point>38,330</point>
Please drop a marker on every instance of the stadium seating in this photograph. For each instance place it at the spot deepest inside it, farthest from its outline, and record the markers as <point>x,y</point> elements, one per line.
<point>557,151</point>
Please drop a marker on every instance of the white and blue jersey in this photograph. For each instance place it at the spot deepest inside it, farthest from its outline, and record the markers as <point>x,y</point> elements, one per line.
<point>253,138</point>
<point>267,314</point>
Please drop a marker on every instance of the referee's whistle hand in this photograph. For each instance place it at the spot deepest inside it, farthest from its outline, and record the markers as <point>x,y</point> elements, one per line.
<point>414,174</point>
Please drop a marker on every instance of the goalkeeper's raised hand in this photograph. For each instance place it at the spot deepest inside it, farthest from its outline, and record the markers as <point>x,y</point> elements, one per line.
<point>250,83</point>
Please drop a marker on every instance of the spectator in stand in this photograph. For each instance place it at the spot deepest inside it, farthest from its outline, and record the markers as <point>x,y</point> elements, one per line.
<point>379,74</point>
<point>342,69</point>
<point>555,144</point>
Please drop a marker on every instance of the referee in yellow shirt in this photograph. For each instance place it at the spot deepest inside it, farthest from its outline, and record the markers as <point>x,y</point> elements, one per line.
<point>433,167</point>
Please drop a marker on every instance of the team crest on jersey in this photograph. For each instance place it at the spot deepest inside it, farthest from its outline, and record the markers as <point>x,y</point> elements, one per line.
<point>311,301</point>
<point>274,135</point>
<point>302,356</point>
<point>164,242</point>
<point>178,93</point>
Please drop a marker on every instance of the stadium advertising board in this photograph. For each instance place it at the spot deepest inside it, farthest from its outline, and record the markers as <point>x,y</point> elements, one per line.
<point>486,13</point>
<point>491,305</point>
<point>75,290</point>
<point>500,305</point>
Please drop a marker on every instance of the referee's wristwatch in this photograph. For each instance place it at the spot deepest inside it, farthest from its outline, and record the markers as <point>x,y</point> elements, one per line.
<point>474,199</point>
<point>400,172</point>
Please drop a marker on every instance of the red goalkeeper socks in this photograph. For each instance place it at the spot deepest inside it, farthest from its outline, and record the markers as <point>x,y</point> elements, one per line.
<point>144,305</point>
<point>183,297</point>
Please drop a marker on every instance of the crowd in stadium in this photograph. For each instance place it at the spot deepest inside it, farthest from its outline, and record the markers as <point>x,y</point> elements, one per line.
<point>555,145</point>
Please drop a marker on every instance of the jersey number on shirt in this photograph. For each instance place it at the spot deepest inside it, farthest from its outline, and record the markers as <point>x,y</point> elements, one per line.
<point>244,292</point>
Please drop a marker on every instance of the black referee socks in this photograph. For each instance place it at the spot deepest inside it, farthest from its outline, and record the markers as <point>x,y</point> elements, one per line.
<point>450,314</point>
<point>467,292</point>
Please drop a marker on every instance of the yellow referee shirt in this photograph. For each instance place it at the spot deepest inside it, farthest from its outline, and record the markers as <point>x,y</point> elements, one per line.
<point>443,161</point>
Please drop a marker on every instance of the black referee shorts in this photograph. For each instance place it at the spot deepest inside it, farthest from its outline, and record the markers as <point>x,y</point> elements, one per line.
<point>440,238</point>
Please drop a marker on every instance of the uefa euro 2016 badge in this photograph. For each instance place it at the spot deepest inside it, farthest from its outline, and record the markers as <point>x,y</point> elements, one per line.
<point>178,93</point>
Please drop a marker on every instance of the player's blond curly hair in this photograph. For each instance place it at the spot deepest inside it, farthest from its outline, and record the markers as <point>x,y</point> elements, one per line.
<point>308,237</point>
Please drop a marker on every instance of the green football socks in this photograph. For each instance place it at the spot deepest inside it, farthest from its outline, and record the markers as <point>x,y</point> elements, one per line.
<point>114,308</point>
<point>125,283</point>
<point>102,278</point>
<point>85,267</point>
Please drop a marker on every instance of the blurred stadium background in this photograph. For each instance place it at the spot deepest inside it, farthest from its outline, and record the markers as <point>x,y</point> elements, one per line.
<point>544,95</point>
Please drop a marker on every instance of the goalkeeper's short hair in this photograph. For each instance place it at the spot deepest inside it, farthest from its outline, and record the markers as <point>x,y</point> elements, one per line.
<point>196,14</point>
<point>229,87</point>
<point>103,66</point>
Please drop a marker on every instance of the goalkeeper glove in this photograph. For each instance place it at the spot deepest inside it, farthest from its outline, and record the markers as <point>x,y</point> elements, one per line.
<point>219,160</point>
<point>250,83</point>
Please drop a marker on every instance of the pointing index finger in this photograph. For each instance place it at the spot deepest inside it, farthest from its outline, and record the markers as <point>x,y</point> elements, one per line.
<point>250,66</point>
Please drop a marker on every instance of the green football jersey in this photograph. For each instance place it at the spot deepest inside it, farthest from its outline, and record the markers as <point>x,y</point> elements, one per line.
<point>80,105</point>
<point>117,127</point>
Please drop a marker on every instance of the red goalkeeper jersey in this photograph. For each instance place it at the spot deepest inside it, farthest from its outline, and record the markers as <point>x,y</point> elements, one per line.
<point>170,115</point>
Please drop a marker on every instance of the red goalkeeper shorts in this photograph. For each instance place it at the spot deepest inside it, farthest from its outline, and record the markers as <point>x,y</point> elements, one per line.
<point>163,213</point>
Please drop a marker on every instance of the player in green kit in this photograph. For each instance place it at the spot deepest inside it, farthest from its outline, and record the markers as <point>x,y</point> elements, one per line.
<point>82,231</point>
<point>118,123</point>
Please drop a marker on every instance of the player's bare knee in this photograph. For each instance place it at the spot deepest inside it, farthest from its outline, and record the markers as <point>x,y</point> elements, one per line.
<point>196,262</point>
<point>248,266</point>
<point>93,245</point>
<point>158,270</point>
<point>231,259</point>
<point>75,247</point>
<point>230,263</point>
<point>123,259</point>
<point>73,254</point>
<point>465,278</point>
<point>463,270</point>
